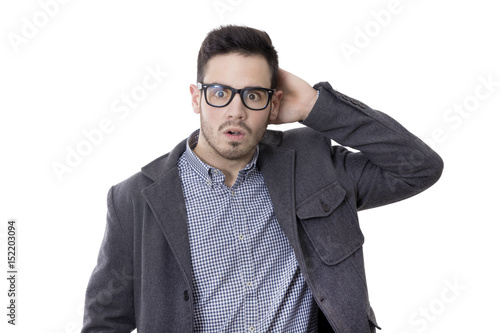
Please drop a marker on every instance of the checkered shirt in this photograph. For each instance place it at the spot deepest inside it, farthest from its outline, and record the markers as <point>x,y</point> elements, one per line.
<point>245,274</point>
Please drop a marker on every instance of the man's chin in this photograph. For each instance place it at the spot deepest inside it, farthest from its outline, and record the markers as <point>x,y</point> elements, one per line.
<point>235,152</point>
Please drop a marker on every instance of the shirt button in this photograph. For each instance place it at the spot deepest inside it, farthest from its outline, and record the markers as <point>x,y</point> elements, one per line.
<point>251,328</point>
<point>242,237</point>
<point>249,283</point>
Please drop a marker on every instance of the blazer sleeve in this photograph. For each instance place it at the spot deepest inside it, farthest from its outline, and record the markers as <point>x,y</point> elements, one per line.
<point>391,163</point>
<point>109,301</point>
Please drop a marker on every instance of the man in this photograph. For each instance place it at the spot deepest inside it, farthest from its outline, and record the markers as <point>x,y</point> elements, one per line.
<point>242,229</point>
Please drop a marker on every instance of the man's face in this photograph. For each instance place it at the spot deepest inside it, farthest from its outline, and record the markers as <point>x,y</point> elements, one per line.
<point>220,124</point>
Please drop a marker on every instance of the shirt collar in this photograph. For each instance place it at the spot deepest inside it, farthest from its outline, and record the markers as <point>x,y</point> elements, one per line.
<point>207,172</point>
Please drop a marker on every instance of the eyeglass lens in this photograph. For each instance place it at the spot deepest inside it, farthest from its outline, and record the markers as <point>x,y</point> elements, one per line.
<point>253,98</point>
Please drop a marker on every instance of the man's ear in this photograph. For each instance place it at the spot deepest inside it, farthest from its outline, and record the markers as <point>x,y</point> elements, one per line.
<point>275,104</point>
<point>195,98</point>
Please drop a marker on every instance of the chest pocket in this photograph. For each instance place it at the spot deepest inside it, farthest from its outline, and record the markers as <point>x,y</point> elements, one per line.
<point>330,224</point>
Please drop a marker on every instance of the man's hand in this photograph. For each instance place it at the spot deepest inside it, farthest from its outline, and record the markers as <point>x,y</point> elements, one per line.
<point>298,98</point>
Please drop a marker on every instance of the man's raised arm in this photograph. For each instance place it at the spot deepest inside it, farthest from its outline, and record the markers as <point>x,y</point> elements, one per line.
<point>393,164</point>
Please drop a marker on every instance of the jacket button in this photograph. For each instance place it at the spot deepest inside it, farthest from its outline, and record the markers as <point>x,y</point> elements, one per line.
<point>186,295</point>
<point>325,207</point>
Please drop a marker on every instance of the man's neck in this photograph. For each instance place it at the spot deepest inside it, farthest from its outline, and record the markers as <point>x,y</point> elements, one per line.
<point>230,168</point>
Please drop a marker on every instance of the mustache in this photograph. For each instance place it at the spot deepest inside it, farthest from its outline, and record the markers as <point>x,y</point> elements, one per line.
<point>240,124</point>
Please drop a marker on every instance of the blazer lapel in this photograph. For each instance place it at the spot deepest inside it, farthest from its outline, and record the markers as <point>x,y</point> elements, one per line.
<point>277,167</point>
<point>166,200</point>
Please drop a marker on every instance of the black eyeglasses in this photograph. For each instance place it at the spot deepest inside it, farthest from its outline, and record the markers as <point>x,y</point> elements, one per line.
<point>254,98</point>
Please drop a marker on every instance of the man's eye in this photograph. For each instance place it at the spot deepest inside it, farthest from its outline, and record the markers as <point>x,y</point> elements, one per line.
<point>254,95</point>
<point>220,94</point>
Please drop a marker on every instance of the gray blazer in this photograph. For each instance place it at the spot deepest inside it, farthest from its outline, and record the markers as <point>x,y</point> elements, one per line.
<point>143,274</point>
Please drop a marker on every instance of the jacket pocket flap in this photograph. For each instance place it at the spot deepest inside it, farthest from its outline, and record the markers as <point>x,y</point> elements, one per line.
<point>322,203</point>
<point>330,224</point>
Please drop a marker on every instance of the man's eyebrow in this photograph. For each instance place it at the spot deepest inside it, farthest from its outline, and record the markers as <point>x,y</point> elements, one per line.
<point>227,85</point>
<point>219,84</point>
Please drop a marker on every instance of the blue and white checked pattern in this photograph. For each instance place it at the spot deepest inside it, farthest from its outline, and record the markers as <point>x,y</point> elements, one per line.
<point>245,274</point>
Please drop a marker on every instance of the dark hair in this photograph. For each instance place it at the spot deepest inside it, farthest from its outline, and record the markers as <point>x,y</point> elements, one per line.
<point>238,39</point>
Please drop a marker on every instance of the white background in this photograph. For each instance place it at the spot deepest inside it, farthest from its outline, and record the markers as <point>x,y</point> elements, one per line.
<point>65,76</point>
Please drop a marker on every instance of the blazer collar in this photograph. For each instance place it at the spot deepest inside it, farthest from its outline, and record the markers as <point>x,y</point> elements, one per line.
<point>160,166</point>
<point>166,200</point>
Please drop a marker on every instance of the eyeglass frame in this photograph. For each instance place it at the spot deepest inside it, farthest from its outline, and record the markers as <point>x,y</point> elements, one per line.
<point>203,86</point>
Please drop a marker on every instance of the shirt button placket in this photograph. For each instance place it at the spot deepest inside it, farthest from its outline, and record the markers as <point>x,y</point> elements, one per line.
<point>251,302</point>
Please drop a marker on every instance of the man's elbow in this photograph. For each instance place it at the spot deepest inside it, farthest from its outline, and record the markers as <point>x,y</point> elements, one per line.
<point>432,171</point>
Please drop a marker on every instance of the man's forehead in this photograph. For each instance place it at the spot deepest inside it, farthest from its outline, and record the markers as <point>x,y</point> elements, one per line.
<point>236,69</point>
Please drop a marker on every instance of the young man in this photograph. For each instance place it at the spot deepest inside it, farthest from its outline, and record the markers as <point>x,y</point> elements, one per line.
<point>242,229</point>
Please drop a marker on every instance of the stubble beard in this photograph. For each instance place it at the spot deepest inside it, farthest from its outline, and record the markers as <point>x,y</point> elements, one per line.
<point>237,150</point>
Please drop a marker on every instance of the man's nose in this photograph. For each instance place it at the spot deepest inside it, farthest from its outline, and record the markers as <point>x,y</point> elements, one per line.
<point>236,109</point>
